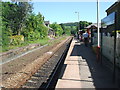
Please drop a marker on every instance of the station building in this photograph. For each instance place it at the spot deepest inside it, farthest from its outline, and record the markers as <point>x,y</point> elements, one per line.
<point>111,35</point>
<point>115,8</point>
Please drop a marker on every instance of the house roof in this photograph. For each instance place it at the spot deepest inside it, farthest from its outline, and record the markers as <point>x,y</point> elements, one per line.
<point>112,6</point>
<point>93,24</point>
<point>46,22</point>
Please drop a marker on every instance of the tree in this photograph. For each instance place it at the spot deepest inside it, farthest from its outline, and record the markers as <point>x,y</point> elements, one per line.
<point>57,29</point>
<point>69,28</point>
<point>23,10</point>
<point>41,28</point>
<point>73,27</point>
<point>34,27</point>
<point>15,14</point>
<point>6,23</point>
<point>84,24</point>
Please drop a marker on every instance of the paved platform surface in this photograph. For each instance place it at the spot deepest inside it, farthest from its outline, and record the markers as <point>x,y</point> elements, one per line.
<point>81,69</point>
<point>71,76</point>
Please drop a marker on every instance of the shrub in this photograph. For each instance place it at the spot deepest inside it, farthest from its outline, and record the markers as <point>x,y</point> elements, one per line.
<point>33,36</point>
<point>16,39</point>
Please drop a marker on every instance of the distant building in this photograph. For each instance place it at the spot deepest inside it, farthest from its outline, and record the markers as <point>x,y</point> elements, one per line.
<point>51,32</point>
<point>47,23</point>
<point>92,28</point>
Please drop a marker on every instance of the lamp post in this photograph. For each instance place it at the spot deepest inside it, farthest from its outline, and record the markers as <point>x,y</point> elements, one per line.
<point>98,29</point>
<point>98,32</point>
<point>78,24</point>
<point>78,19</point>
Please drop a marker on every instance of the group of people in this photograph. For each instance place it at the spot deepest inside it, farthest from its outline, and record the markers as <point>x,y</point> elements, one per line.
<point>84,36</point>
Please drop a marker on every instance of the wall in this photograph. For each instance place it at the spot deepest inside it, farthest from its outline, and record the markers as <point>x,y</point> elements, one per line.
<point>108,47</point>
<point>95,38</point>
<point>118,50</point>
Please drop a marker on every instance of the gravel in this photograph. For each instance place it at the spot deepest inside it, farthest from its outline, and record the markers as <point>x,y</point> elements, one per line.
<point>10,69</point>
<point>43,74</point>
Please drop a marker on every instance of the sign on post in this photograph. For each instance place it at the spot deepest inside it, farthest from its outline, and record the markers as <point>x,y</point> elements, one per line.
<point>109,20</point>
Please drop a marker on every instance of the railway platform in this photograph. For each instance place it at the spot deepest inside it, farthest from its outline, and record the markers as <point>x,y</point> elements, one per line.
<point>81,69</point>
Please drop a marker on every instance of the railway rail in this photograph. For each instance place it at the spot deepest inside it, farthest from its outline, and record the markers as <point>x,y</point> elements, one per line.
<point>47,75</point>
<point>49,59</point>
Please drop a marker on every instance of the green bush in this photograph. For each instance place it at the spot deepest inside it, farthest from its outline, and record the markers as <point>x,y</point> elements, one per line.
<point>43,31</point>
<point>33,36</point>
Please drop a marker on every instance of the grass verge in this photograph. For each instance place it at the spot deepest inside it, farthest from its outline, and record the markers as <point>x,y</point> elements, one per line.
<point>40,41</point>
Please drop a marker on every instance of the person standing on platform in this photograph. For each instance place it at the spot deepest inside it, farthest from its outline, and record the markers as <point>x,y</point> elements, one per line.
<point>86,38</point>
<point>81,35</point>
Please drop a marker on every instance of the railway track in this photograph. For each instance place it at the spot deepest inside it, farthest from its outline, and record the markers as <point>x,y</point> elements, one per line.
<point>47,75</point>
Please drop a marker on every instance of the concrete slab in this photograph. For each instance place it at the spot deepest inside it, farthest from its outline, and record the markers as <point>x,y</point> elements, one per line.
<point>68,83</point>
<point>71,75</point>
<point>72,72</point>
<point>81,69</point>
